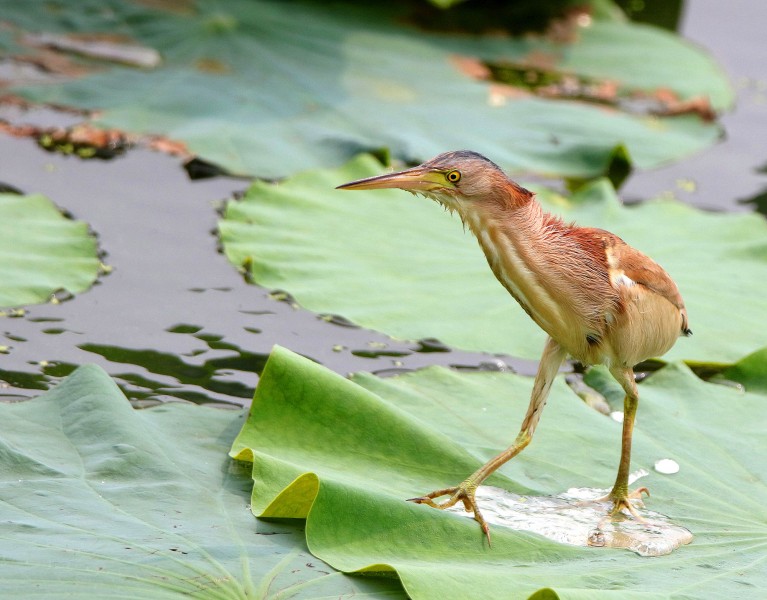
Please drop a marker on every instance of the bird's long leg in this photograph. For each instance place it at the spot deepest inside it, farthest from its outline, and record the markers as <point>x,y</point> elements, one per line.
<point>620,495</point>
<point>551,360</point>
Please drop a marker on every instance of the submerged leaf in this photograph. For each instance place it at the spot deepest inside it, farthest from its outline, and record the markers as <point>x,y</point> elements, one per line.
<point>42,253</point>
<point>345,455</point>
<point>398,264</point>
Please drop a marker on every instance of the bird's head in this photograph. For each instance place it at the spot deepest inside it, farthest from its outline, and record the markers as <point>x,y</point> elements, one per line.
<point>458,180</point>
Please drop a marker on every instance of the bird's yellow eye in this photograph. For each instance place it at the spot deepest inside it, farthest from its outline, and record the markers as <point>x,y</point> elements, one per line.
<point>453,176</point>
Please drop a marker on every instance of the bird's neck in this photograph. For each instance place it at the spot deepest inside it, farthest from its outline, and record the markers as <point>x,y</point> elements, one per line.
<point>519,241</point>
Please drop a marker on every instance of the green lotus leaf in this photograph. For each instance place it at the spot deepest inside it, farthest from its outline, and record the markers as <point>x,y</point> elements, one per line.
<point>42,252</point>
<point>750,372</point>
<point>345,454</point>
<point>270,88</point>
<point>103,501</point>
<point>398,264</point>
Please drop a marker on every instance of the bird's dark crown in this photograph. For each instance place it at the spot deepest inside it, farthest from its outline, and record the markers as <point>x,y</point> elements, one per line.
<point>455,158</point>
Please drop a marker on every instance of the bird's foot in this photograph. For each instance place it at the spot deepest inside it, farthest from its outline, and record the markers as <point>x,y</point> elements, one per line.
<point>462,493</point>
<point>622,502</point>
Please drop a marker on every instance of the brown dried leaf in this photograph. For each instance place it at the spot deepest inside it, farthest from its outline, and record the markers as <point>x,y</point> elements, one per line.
<point>473,67</point>
<point>699,105</point>
<point>86,134</point>
<point>500,93</point>
<point>540,59</point>
<point>665,96</point>
<point>668,103</point>
<point>84,138</point>
<point>49,62</point>
<point>169,146</point>
<point>605,92</point>
<point>18,130</point>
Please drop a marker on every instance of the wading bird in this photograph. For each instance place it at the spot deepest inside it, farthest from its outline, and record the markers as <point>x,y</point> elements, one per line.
<point>598,299</point>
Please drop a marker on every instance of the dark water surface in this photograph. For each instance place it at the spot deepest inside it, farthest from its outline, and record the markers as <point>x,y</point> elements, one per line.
<point>731,175</point>
<point>174,320</point>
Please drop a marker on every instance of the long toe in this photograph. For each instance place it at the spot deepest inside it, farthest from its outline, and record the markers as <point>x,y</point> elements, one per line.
<point>637,493</point>
<point>428,499</point>
<point>463,493</point>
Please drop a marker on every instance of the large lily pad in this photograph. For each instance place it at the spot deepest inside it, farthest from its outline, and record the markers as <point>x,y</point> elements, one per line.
<point>269,88</point>
<point>42,252</point>
<point>345,455</point>
<point>398,264</point>
<point>103,501</point>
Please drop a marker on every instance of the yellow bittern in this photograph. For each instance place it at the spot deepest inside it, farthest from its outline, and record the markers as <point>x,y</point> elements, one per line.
<point>599,300</point>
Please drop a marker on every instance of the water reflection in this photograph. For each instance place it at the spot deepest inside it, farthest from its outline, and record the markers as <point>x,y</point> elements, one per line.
<point>209,376</point>
<point>156,376</point>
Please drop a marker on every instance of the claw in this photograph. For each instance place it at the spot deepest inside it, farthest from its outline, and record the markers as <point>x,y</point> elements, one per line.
<point>463,493</point>
<point>486,529</point>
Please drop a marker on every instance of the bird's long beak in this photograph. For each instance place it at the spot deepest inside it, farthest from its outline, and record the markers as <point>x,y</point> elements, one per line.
<point>417,179</point>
